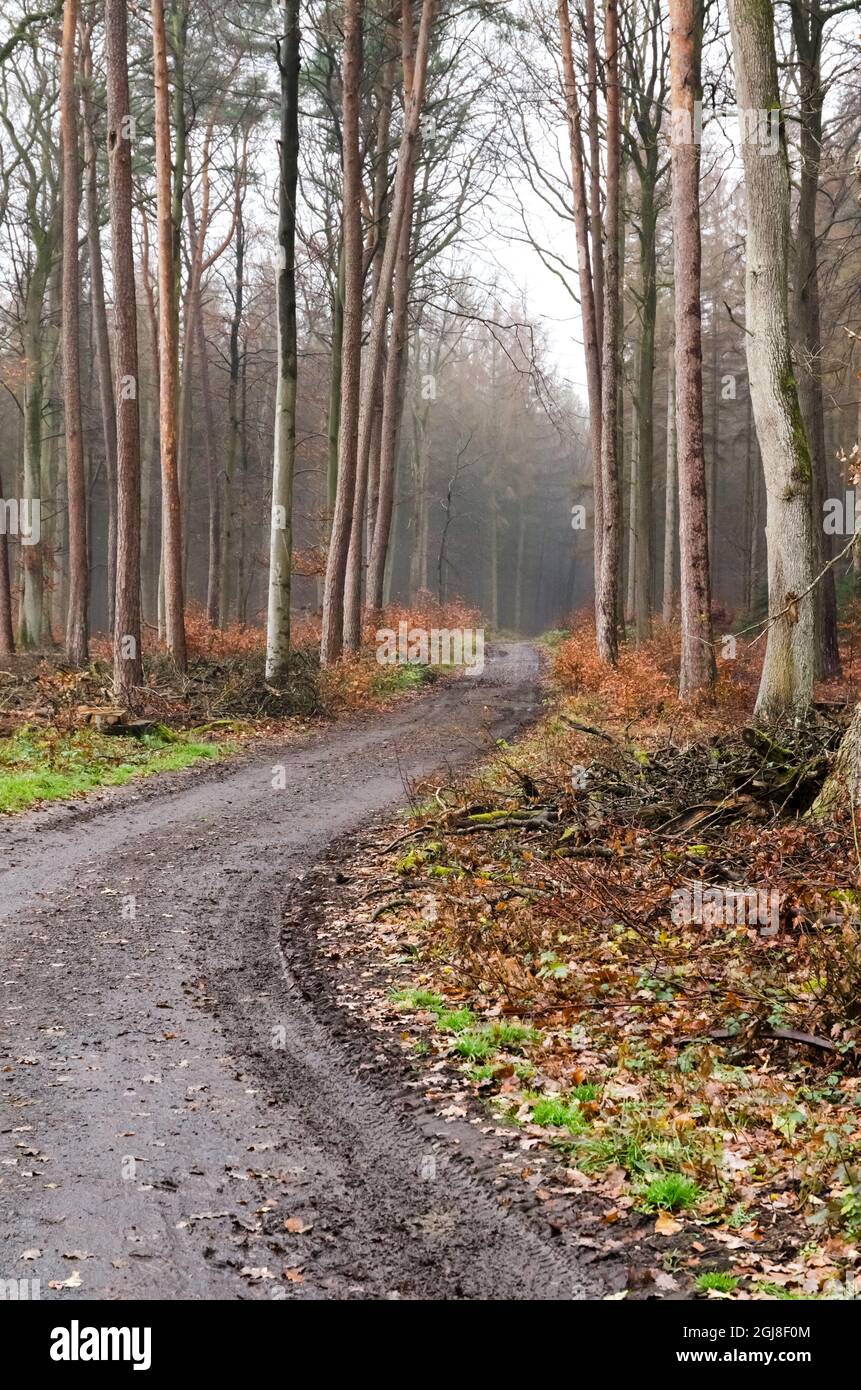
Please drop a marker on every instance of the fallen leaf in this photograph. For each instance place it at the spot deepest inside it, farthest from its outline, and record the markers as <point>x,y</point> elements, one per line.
<point>666,1226</point>
<point>296,1226</point>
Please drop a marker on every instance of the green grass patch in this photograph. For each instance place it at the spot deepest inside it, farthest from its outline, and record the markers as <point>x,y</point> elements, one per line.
<point>671,1192</point>
<point>512,1035</point>
<point>716,1279</point>
<point>485,1072</point>
<point>419,999</point>
<point>455,1020</point>
<point>553,1110</point>
<point>46,765</point>
<point>394,678</point>
<point>475,1045</point>
<point>585,1093</point>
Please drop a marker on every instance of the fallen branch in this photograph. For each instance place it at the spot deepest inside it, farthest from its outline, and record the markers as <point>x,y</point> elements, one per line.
<point>780,1034</point>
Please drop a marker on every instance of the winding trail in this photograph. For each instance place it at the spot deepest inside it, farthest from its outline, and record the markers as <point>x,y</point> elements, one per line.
<point>170,1091</point>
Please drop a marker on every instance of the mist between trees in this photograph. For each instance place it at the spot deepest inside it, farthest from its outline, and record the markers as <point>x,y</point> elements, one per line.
<point>309,308</point>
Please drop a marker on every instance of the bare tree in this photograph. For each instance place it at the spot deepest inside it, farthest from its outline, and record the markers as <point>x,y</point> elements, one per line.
<point>332,638</point>
<point>697,661</point>
<point>608,596</point>
<point>393,404</point>
<point>790,657</point>
<point>7,635</point>
<point>415,72</point>
<point>127,607</point>
<point>670,487</point>
<point>587,278</point>
<point>168,348</point>
<point>77,623</point>
<point>101,339</point>
<point>281,526</point>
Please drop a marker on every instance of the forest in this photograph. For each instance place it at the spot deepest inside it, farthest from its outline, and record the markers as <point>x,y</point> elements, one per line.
<point>430,652</point>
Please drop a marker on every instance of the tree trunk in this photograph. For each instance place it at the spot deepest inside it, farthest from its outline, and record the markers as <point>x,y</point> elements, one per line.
<point>843,784</point>
<point>331,644</point>
<point>631,569</point>
<point>281,525</point>
<point>749,518</point>
<point>100,316</point>
<point>393,405</point>
<point>807,26</point>
<point>168,354</point>
<point>7,635</point>
<point>127,610</point>
<point>645,408</point>
<point>32,568</point>
<point>608,597</point>
<point>595,172</point>
<point>415,70</point>
<point>587,278</point>
<point>213,570</point>
<point>697,660</point>
<point>333,419</point>
<point>788,672</point>
<point>77,618</point>
<point>226,588</point>
<point>670,488</point>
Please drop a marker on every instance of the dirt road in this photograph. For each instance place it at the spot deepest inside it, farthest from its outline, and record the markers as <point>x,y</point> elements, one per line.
<point>170,1096</point>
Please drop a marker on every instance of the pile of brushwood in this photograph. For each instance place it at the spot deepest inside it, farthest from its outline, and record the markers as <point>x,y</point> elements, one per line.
<point>46,690</point>
<point>642,960</point>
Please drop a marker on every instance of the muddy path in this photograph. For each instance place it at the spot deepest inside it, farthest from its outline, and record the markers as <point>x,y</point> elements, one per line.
<point>180,1115</point>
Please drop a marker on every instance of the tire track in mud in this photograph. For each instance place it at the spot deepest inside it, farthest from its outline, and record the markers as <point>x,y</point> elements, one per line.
<point>175,1085</point>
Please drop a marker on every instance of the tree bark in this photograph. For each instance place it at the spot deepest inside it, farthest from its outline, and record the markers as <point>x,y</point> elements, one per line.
<point>587,276</point>
<point>843,785</point>
<point>592,83</point>
<point>32,567</point>
<point>415,71</point>
<point>127,608</point>
<point>7,635</point>
<point>281,525</point>
<point>807,26</point>
<point>77,619</point>
<point>333,419</point>
<point>697,672</point>
<point>226,587</point>
<point>645,409</point>
<point>608,597</point>
<point>331,644</point>
<point>393,404</point>
<point>790,658</point>
<point>168,353</point>
<point>99,312</point>
<point>670,488</point>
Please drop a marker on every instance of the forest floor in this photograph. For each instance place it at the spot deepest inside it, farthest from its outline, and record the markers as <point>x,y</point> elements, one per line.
<point>61,733</point>
<point>183,1115</point>
<point>266,1041</point>
<point>677,1089</point>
